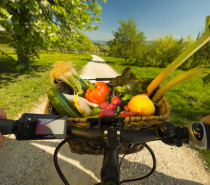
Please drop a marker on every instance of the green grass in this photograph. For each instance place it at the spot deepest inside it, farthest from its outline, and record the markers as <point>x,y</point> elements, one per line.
<point>47,59</point>
<point>189,101</point>
<point>19,90</point>
<point>6,48</point>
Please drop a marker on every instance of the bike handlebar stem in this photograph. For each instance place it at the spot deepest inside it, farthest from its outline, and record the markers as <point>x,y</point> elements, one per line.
<point>110,169</point>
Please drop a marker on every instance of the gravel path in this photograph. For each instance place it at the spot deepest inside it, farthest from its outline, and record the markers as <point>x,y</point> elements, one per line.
<point>31,162</point>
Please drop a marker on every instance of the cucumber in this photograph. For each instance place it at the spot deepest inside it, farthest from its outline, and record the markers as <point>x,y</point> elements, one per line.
<point>62,104</point>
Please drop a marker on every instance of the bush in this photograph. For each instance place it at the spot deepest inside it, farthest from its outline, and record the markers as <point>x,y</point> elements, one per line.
<point>161,52</point>
<point>165,49</point>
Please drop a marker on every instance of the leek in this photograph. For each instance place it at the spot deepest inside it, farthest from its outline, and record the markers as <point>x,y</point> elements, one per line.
<point>192,72</point>
<point>205,37</point>
<point>65,72</point>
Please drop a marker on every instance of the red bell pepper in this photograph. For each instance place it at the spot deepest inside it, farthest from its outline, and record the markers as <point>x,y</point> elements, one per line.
<point>97,93</point>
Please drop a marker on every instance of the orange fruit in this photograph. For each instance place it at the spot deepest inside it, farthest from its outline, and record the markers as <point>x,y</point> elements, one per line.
<point>142,104</point>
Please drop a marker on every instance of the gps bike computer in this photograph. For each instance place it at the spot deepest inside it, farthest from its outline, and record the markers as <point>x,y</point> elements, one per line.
<point>41,126</point>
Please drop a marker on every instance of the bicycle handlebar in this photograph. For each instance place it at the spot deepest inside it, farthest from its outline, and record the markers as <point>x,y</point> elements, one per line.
<point>128,136</point>
<point>198,134</point>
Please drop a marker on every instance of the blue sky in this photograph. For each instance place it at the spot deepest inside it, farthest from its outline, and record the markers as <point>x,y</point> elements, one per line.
<point>153,17</point>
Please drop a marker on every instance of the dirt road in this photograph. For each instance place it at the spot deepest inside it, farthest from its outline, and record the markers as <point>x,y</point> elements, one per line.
<point>31,162</point>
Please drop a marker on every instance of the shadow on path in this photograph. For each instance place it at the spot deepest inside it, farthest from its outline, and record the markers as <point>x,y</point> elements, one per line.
<point>94,61</point>
<point>31,163</point>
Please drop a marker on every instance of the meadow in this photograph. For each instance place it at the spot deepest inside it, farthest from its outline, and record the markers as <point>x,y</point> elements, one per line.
<point>20,87</point>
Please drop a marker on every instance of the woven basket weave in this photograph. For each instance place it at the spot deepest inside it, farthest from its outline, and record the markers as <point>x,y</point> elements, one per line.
<point>129,123</point>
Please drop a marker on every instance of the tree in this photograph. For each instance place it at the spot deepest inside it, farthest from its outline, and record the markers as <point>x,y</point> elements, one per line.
<point>43,24</point>
<point>128,41</point>
<point>80,44</point>
<point>104,49</point>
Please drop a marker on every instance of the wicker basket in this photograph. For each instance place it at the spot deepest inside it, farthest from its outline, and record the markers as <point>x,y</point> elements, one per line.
<point>129,123</point>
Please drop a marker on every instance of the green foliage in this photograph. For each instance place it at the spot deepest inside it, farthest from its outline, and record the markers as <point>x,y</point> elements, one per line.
<point>128,42</point>
<point>83,44</point>
<point>43,24</point>
<point>5,37</point>
<point>164,50</point>
<point>202,56</point>
<point>104,49</point>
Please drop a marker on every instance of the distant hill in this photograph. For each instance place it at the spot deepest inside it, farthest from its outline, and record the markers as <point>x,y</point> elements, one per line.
<point>149,41</point>
<point>102,42</point>
<point>99,42</point>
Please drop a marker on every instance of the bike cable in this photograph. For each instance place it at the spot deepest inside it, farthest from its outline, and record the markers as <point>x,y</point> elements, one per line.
<point>153,158</point>
<point>56,161</point>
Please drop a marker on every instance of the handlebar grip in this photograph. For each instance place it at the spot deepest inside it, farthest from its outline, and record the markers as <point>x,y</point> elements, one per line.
<point>6,126</point>
<point>134,137</point>
<point>85,134</point>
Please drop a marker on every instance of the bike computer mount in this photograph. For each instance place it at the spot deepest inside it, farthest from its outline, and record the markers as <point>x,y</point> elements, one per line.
<point>41,126</point>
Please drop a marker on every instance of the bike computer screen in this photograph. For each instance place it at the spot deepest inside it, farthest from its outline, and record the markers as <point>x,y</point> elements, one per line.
<point>41,126</point>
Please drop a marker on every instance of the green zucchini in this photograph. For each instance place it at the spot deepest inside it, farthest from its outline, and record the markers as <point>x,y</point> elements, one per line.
<point>62,104</point>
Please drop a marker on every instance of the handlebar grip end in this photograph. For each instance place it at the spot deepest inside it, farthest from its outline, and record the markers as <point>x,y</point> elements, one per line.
<point>6,126</point>
<point>199,135</point>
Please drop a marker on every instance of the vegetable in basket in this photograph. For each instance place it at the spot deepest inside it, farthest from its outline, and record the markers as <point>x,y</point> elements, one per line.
<point>82,105</point>
<point>61,104</point>
<point>71,99</point>
<point>97,93</point>
<point>185,75</point>
<point>124,114</point>
<point>141,104</point>
<point>107,113</point>
<point>128,85</point>
<point>65,72</point>
<point>104,105</point>
<point>132,91</point>
<point>116,100</point>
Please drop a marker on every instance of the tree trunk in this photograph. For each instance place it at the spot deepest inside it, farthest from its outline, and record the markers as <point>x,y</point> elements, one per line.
<point>22,48</point>
<point>23,60</point>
